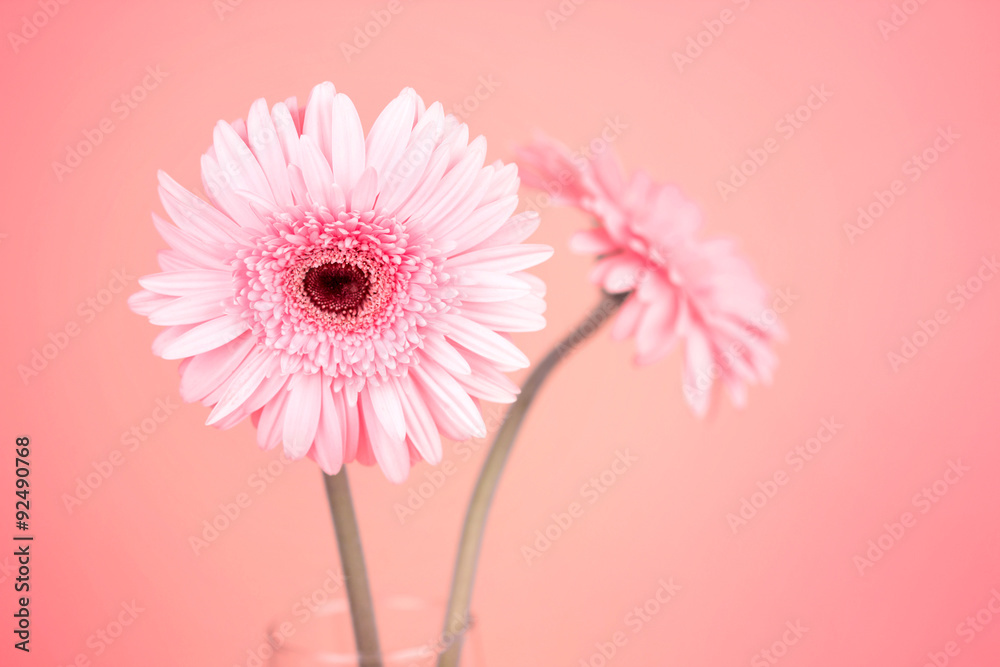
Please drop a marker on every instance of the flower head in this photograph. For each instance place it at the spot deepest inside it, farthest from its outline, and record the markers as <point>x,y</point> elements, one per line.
<point>680,287</point>
<point>351,294</point>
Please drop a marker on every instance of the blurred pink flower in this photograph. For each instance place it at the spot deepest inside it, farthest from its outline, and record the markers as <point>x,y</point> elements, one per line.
<point>681,287</point>
<point>351,294</point>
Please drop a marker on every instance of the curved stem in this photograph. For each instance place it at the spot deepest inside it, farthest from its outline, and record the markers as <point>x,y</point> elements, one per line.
<point>352,559</point>
<point>456,616</point>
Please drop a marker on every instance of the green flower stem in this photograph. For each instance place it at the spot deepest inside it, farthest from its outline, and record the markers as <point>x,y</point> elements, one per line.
<point>352,559</point>
<point>456,616</point>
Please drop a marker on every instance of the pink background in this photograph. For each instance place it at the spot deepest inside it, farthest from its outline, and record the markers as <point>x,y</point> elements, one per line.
<point>666,517</point>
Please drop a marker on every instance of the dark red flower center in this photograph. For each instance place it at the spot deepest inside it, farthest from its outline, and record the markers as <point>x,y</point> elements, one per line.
<point>337,288</point>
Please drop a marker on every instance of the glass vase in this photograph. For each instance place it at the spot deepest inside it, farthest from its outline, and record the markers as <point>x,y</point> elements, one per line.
<point>410,633</point>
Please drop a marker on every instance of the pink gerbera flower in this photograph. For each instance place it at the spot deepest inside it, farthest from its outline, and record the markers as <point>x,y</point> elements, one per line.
<point>351,294</point>
<point>680,287</point>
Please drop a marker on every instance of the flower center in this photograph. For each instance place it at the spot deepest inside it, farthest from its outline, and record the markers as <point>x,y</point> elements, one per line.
<point>345,292</point>
<point>337,288</point>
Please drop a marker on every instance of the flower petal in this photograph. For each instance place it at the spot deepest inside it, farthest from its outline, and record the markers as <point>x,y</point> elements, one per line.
<point>402,178</point>
<point>144,302</point>
<point>487,383</point>
<point>456,186</point>
<point>514,230</point>
<point>204,373</point>
<point>592,242</point>
<point>183,283</point>
<point>302,414</point>
<point>206,256</point>
<point>505,258</point>
<point>504,316</point>
<point>453,409</point>
<point>241,385</point>
<point>365,191</point>
<point>316,171</point>
<point>384,398</point>
<point>318,119</point>
<point>420,427</point>
<point>239,162</point>
<point>483,341</point>
<point>204,337</point>
<point>347,155</point>
<point>489,286</point>
<point>271,422</point>
<point>328,449</point>
<point>288,134</point>
<point>483,223</point>
<point>390,133</point>
<point>442,353</point>
<point>389,450</point>
<point>266,147</point>
<point>193,308</point>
